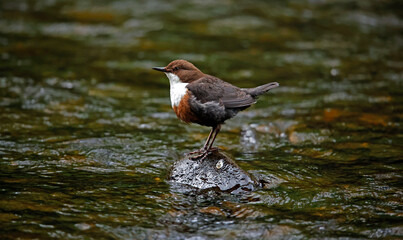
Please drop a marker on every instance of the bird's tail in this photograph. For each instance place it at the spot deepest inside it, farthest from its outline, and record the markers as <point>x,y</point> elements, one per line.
<point>257,91</point>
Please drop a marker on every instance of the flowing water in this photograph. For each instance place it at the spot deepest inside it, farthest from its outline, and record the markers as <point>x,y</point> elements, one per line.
<point>87,135</point>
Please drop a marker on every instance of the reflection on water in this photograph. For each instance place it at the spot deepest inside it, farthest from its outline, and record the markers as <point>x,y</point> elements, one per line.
<point>87,134</point>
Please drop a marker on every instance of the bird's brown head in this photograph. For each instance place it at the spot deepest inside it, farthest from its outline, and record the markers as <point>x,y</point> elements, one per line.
<point>186,71</point>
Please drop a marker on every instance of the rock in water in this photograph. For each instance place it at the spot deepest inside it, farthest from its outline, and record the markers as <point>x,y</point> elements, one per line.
<point>217,171</point>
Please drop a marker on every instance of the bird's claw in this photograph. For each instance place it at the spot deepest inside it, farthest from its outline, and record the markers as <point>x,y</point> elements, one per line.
<point>204,153</point>
<point>197,151</point>
<point>201,156</point>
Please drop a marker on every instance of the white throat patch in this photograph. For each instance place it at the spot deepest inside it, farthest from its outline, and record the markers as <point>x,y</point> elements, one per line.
<point>178,89</point>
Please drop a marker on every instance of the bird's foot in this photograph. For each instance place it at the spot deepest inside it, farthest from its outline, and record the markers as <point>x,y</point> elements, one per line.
<point>213,149</point>
<point>196,151</point>
<point>203,153</point>
<point>201,156</point>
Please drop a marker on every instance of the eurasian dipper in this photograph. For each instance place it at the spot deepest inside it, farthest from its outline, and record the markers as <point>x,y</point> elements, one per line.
<point>207,100</point>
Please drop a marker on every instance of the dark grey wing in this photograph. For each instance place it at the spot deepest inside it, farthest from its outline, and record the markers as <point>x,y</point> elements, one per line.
<point>210,88</point>
<point>205,90</point>
<point>238,101</point>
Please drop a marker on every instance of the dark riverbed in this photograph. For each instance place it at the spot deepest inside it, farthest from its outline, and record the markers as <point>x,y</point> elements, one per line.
<point>87,134</point>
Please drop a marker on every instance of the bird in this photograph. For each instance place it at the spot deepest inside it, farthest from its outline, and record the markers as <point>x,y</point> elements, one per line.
<point>207,100</point>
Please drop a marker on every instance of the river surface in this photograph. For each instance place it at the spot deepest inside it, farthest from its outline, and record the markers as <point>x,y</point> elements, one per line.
<point>87,134</point>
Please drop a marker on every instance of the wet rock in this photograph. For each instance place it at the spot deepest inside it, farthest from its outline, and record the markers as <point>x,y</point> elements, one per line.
<point>217,171</point>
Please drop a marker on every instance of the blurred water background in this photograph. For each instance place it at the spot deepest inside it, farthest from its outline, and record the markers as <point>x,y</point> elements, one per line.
<point>87,134</point>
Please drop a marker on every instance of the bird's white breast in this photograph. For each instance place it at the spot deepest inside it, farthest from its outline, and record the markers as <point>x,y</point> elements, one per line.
<point>178,89</point>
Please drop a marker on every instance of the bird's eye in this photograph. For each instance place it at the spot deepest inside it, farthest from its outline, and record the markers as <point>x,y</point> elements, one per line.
<point>176,68</point>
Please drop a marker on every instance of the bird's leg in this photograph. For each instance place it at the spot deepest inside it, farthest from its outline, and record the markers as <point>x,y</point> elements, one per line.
<point>206,151</point>
<point>217,130</point>
<point>205,144</point>
<point>209,138</point>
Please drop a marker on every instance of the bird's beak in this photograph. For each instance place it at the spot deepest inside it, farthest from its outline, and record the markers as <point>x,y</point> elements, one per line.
<point>161,69</point>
